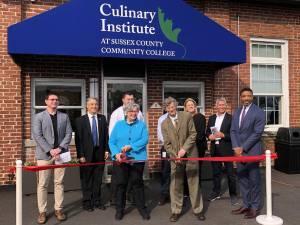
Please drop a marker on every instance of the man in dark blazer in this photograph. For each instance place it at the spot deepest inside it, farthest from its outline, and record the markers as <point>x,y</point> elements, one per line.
<point>91,145</point>
<point>218,132</point>
<point>247,126</point>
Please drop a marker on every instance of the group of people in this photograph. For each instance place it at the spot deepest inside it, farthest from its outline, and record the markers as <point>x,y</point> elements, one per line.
<point>181,135</point>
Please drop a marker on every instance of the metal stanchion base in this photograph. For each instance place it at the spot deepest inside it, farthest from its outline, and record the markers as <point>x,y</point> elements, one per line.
<point>265,220</point>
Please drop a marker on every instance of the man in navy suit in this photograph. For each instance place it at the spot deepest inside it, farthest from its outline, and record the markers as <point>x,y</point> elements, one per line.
<point>247,126</point>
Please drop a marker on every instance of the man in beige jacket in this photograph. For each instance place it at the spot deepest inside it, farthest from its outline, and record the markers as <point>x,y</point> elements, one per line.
<point>180,142</point>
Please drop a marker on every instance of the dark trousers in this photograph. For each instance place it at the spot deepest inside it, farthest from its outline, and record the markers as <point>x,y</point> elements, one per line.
<point>129,173</point>
<point>217,173</point>
<point>165,175</point>
<point>217,177</point>
<point>201,153</point>
<point>91,181</point>
<point>113,188</point>
<point>250,187</point>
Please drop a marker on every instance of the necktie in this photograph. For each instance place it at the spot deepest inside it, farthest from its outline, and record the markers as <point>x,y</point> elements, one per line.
<point>243,115</point>
<point>94,131</point>
<point>176,123</point>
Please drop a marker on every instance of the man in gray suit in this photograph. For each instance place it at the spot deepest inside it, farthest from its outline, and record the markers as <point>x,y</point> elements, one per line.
<point>247,126</point>
<point>179,136</point>
<point>52,133</point>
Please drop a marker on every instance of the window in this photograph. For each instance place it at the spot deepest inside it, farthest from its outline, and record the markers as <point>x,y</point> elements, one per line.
<point>71,94</point>
<point>269,80</point>
<point>181,90</point>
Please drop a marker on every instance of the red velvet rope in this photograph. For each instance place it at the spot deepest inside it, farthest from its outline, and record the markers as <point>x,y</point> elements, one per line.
<point>256,158</point>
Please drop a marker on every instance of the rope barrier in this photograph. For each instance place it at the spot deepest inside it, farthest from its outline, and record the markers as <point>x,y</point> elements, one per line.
<point>212,159</point>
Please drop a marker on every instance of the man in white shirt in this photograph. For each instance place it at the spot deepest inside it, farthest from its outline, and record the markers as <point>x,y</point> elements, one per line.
<point>165,165</point>
<point>218,132</point>
<point>118,114</point>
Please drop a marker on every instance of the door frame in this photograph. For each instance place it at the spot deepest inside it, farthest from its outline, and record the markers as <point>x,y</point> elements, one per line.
<point>124,80</point>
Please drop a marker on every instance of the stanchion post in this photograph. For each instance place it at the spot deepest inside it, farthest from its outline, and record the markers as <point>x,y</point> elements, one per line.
<point>19,192</point>
<point>269,219</point>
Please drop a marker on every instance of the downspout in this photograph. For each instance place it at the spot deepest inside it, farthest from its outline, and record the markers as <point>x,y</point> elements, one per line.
<point>238,72</point>
<point>22,10</point>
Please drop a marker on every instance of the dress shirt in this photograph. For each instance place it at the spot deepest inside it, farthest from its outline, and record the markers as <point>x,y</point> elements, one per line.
<point>219,121</point>
<point>91,122</point>
<point>159,133</point>
<point>173,119</point>
<point>243,108</point>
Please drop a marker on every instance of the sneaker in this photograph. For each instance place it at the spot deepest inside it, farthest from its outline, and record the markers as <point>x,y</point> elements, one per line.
<point>213,196</point>
<point>234,200</point>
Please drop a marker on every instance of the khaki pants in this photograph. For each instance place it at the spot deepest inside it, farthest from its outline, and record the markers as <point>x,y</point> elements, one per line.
<point>43,182</point>
<point>176,187</point>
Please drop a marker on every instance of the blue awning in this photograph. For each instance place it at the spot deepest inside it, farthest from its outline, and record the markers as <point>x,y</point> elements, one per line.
<point>143,29</point>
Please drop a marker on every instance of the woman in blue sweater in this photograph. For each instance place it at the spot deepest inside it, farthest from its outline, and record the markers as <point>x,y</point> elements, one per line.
<point>128,140</point>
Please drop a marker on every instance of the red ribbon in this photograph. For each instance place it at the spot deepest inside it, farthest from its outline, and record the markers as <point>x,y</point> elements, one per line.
<point>214,159</point>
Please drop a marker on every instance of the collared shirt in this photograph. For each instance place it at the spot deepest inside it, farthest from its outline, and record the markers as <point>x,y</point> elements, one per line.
<point>54,124</point>
<point>247,108</point>
<point>219,121</point>
<point>118,115</point>
<point>174,119</point>
<point>159,133</point>
<point>91,121</point>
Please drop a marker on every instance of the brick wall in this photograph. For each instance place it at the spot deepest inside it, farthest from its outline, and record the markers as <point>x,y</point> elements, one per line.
<point>10,92</point>
<point>255,20</point>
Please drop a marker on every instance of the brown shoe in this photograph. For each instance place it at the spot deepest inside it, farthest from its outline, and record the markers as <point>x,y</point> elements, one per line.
<point>200,216</point>
<point>174,217</point>
<point>42,218</point>
<point>240,210</point>
<point>253,213</point>
<point>60,216</point>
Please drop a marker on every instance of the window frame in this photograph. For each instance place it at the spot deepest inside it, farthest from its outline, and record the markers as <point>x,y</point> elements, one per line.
<point>191,84</point>
<point>283,62</point>
<point>59,82</point>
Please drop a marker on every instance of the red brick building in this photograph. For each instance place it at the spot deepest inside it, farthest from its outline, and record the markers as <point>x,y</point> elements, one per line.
<point>271,30</point>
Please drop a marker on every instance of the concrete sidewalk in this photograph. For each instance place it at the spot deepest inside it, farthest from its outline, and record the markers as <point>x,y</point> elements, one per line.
<point>286,204</point>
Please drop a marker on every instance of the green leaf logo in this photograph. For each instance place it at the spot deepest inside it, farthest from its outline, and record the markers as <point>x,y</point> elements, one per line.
<point>167,28</point>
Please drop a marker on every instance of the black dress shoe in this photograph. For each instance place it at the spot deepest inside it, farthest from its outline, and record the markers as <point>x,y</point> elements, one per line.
<point>88,208</point>
<point>200,216</point>
<point>174,217</point>
<point>100,206</point>
<point>241,210</point>
<point>251,214</point>
<point>146,216</point>
<point>144,213</point>
<point>119,215</point>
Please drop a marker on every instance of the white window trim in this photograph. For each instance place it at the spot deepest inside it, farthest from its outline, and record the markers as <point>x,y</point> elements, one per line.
<point>283,61</point>
<point>59,82</point>
<point>199,85</point>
